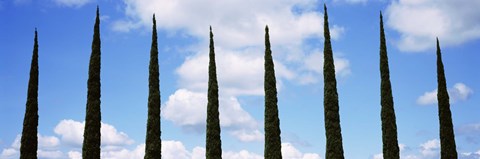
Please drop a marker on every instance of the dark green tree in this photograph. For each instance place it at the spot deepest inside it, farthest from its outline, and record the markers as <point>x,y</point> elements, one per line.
<point>29,142</point>
<point>447,137</point>
<point>389,124</point>
<point>273,144</point>
<point>330,98</point>
<point>213,143</point>
<point>91,134</point>
<point>153,143</point>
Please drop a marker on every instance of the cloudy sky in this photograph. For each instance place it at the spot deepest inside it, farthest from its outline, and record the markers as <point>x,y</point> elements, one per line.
<point>296,30</point>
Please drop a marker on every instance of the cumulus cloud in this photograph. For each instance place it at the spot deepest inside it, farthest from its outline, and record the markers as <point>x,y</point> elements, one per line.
<point>290,152</point>
<point>430,148</point>
<point>71,133</point>
<point>49,154</point>
<point>48,142</point>
<point>242,21</point>
<point>420,21</point>
<point>74,155</point>
<point>183,107</point>
<point>46,147</point>
<point>459,92</point>
<point>72,3</point>
<point>9,153</point>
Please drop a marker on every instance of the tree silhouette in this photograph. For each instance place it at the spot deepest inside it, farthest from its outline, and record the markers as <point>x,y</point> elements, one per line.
<point>29,141</point>
<point>153,143</point>
<point>273,144</point>
<point>91,135</point>
<point>213,143</point>
<point>389,125</point>
<point>330,99</point>
<point>447,137</point>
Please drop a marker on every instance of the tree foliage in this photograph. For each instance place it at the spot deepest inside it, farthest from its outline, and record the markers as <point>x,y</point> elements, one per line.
<point>153,143</point>
<point>389,125</point>
<point>213,143</point>
<point>273,144</point>
<point>330,100</point>
<point>91,135</point>
<point>29,142</point>
<point>447,137</point>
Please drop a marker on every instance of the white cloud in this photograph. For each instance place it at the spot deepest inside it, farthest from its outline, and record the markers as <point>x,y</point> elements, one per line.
<point>174,150</point>
<point>74,155</point>
<point>239,38</point>
<point>242,21</point>
<point>290,152</point>
<point>72,3</point>
<point>430,148</point>
<point>420,21</point>
<point>49,154</point>
<point>470,155</point>
<point>123,153</point>
<point>428,98</point>
<point>243,154</point>
<point>16,143</point>
<point>459,92</point>
<point>71,132</point>
<point>378,156</point>
<point>111,137</point>
<point>183,109</point>
<point>9,153</point>
<point>48,142</point>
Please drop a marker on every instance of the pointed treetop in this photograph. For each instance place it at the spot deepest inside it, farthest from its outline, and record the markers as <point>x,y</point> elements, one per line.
<point>210,28</point>
<point>98,10</point>
<point>266,28</point>
<point>381,16</point>
<point>325,7</point>
<point>154,21</point>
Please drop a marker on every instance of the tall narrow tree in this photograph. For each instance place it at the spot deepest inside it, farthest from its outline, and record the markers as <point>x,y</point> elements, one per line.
<point>29,143</point>
<point>91,134</point>
<point>330,98</point>
<point>213,143</point>
<point>153,143</point>
<point>389,124</point>
<point>273,144</point>
<point>447,137</point>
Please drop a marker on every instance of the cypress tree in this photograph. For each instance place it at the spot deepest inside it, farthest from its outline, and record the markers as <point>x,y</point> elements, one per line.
<point>91,135</point>
<point>153,143</point>
<point>29,142</point>
<point>330,98</point>
<point>389,125</point>
<point>447,137</point>
<point>273,144</point>
<point>213,143</point>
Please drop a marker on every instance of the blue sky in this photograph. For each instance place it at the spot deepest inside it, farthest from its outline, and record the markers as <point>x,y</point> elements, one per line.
<point>296,30</point>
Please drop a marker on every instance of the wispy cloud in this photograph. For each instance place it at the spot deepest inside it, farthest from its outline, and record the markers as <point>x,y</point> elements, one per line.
<point>72,3</point>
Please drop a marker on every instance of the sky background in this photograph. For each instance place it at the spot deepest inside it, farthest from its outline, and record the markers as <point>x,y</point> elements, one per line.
<point>296,30</point>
